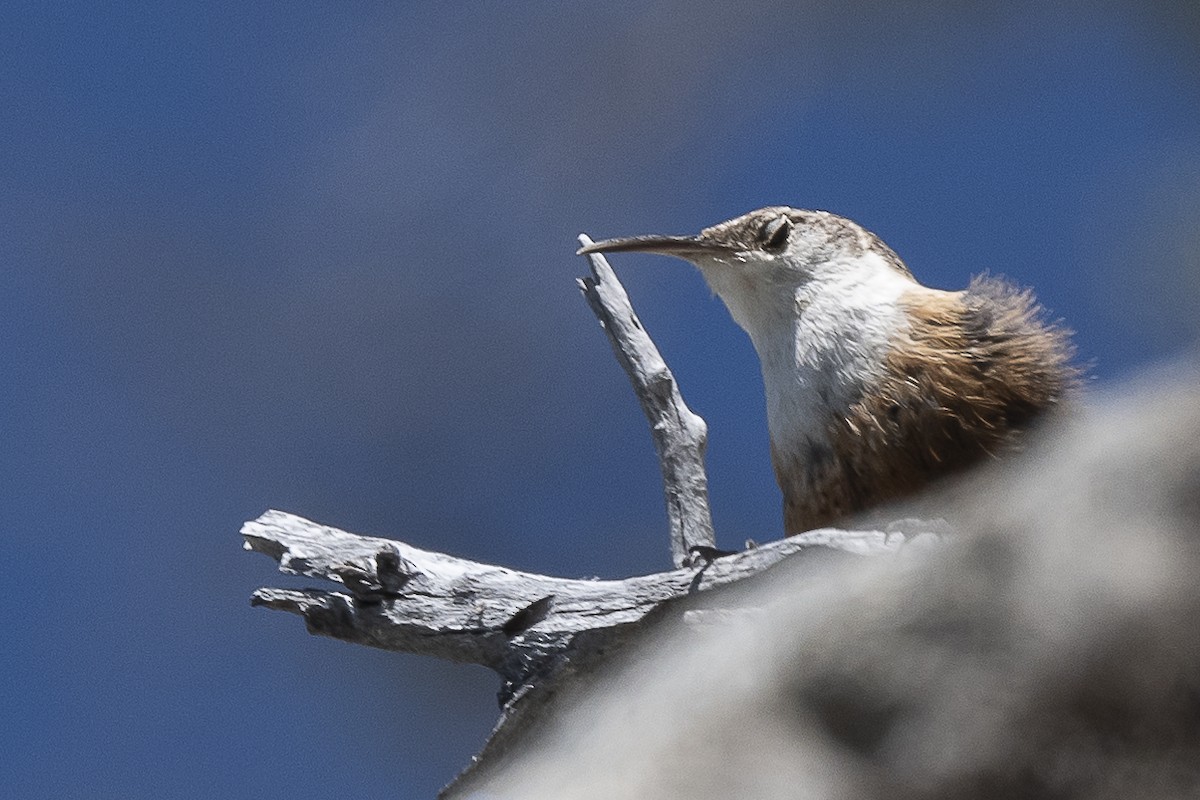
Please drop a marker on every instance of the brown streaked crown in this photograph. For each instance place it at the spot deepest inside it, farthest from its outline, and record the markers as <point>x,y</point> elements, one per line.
<point>765,229</point>
<point>751,232</point>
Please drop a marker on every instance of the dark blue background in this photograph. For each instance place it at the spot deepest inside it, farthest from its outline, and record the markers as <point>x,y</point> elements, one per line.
<point>318,257</point>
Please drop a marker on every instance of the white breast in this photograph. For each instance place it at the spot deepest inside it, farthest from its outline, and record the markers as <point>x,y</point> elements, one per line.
<point>819,342</point>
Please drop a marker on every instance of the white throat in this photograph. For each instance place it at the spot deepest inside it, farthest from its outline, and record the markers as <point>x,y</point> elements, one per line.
<point>819,342</point>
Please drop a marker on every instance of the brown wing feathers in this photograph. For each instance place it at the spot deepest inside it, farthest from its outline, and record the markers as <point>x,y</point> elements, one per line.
<point>972,373</point>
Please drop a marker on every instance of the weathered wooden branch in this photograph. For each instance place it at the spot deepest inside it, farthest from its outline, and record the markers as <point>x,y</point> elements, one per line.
<point>680,436</point>
<point>401,598</point>
<point>539,633</point>
<point>531,629</point>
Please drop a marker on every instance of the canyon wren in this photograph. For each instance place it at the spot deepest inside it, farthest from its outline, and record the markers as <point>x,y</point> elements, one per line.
<point>876,385</point>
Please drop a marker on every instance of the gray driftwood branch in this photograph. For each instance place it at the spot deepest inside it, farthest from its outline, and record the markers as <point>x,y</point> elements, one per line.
<point>398,597</point>
<point>538,632</point>
<point>680,436</point>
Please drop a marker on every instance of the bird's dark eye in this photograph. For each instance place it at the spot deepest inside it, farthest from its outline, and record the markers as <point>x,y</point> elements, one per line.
<point>775,233</point>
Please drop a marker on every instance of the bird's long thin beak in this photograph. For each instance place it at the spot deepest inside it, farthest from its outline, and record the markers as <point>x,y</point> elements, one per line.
<point>681,246</point>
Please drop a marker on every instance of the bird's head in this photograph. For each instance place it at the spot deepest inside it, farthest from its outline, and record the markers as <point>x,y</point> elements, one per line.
<point>775,246</point>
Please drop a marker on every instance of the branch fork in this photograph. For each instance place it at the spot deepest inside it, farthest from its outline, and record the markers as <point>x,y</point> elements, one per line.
<point>539,633</point>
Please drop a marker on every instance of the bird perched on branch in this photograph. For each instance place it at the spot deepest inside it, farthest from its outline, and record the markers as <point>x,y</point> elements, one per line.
<point>876,385</point>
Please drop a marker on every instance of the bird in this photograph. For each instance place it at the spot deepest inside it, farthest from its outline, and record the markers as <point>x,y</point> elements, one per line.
<point>876,385</point>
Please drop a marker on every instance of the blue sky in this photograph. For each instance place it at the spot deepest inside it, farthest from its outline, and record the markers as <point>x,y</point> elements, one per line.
<point>318,257</point>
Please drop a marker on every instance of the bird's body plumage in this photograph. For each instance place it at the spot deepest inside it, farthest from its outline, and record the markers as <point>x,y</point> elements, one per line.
<point>875,384</point>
